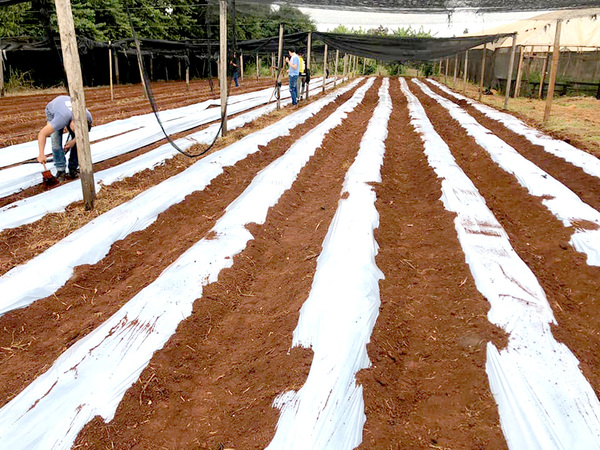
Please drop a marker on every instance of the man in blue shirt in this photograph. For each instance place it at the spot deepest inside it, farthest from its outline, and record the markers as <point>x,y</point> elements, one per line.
<point>294,70</point>
<point>59,113</point>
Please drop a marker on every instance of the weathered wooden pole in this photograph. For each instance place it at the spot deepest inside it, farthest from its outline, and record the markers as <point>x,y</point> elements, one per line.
<point>465,72</point>
<point>110,72</point>
<point>1,73</point>
<point>223,62</point>
<point>455,70</point>
<point>511,63</point>
<point>242,66</point>
<point>337,56</point>
<point>553,71</point>
<point>279,65</point>
<point>257,67</point>
<point>345,65</point>
<point>72,64</point>
<point>187,78</point>
<point>481,80</point>
<point>308,56</point>
<point>117,78</point>
<point>543,74</point>
<point>519,71</point>
<point>272,64</point>
<point>324,67</point>
<point>446,72</point>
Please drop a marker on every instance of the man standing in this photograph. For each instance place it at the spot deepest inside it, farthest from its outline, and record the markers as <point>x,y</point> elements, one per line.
<point>235,68</point>
<point>294,70</point>
<point>59,114</point>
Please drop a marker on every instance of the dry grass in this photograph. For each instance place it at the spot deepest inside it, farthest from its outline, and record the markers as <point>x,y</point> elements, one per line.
<point>575,119</point>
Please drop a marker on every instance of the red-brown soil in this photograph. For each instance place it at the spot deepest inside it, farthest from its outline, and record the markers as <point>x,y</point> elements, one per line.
<point>213,383</point>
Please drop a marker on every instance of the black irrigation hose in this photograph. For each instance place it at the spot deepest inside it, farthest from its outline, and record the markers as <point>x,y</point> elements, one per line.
<point>150,96</point>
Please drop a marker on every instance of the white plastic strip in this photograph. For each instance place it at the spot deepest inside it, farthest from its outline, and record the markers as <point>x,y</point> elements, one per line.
<point>337,319</point>
<point>560,200</point>
<point>585,161</point>
<point>47,272</point>
<point>544,401</point>
<point>15,179</point>
<point>92,376</point>
<point>56,200</point>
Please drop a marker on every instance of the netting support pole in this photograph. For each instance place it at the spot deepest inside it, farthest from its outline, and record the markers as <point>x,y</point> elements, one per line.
<point>72,63</point>
<point>223,62</point>
<point>446,76</point>
<point>543,74</point>
<point>110,72</point>
<point>345,65</point>
<point>272,65</point>
<point>455,70</point>
<point>324,67</point>
<point>553,71</point>
<point>257,67</point>
<point>1,73</point>
<point>117,77</point>
<point>337,57</point>
<point>465,72</point>
<point>519,72</point>
<point>242,65</point>
<point>187,78</point>
<point>279,66</point>
<point>308,55</point>
<point>511,63</point>
<point>482,77</point>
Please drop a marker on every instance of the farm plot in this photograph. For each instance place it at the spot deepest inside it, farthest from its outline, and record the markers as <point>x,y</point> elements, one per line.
<point>378,239</point>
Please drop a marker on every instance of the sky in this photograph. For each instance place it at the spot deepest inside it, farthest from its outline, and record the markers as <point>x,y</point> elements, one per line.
<point>440,25</point>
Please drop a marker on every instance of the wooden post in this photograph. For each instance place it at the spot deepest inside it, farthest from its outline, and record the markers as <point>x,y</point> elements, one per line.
<point>519,71</point>
<point>117,78</point>
<point>324,67</point>
<point>446,76</point>
<point>543,74</point>
<point>364,65</point>
<point>187,78</point>
<point>337,56</point>
<point>70,53</point>
<point>511,63</point>
<point>242,66</point>
<point>272,64</point>
<point>151,68</point>
<point>465,73</point>
<point>455,70</point>
<point>553,70</point>
<point>308,54</point>
<point>481,81</point>
<point>223,62</point>
<point>1,73</point>
<point>279,65</point>
<point>345,65</point>
<point>257,67</point>
<point>179,69</point>
<point>110,72</point>
<point>141,69</point>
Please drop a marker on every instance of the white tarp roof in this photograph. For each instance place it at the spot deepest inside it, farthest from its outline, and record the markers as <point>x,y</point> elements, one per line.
<point>580,30</point>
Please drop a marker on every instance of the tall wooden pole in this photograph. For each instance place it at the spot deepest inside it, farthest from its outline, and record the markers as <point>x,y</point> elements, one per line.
<point>511,63</point>
<point>543,74</point>
<point>242,66</point>
<point>345,65</point>
<point>272,65</point>
<point>257,67</point>
<point>308,56</point>
<point>187,77</point>
<point>110,72</point>
<point>70,53</point>
<point>519,71</point>
<point>279,65</point>
<point>455,70</point>
<point>324,67</point>
<point>223,62</point>
<point>481,80</point>
<point>465,72</point>
<point>553,70</point>
<point>446,75</point>
<point>1,74</point>
<point>117,78</point>
<point>337,57</point>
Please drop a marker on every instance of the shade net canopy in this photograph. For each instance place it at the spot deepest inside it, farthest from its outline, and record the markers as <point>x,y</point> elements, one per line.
<point>376,47</point>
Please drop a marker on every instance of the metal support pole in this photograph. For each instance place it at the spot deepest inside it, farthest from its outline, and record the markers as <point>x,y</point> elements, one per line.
<point>481,80</point>
<point>72,63</point>
<point>223,62</point>
<point>511,63</point>
<point>279,66</point>
<point>308,55</point>
<point>553,71</point>
<point>465,72</point>
<point>324,67</point>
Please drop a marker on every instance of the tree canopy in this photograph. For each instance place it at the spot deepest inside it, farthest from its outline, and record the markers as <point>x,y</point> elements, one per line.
<point>384,31</point>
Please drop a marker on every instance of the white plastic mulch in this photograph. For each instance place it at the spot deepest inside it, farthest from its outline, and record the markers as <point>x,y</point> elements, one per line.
<point>544,401</point>
<point>338,317</point>
<point>47,272</point>
<point>92,376</point>
<point>560,200</point>
<point>56,200</point>
<point>589,163</point>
